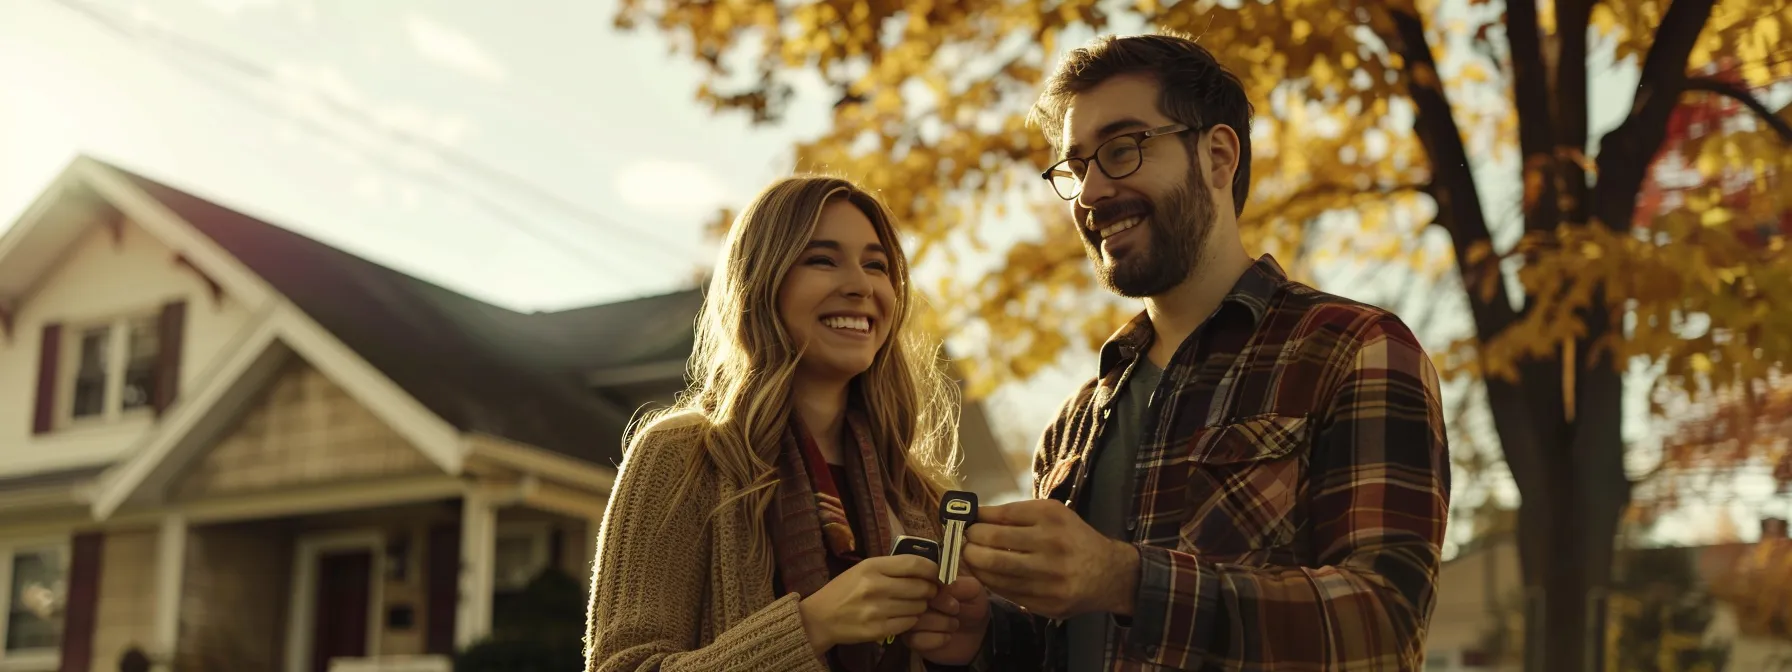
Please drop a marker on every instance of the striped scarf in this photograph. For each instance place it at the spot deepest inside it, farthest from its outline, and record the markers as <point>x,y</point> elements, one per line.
<point>808,522</point>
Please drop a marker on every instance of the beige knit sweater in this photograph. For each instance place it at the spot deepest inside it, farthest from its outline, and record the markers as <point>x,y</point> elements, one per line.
<point>686,596</point>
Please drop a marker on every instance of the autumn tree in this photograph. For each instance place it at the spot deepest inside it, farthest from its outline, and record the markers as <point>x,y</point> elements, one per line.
<point>1384,132</point>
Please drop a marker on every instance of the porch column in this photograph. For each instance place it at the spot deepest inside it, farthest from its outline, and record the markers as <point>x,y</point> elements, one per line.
<point>171,560</point>
<point>478,545</point>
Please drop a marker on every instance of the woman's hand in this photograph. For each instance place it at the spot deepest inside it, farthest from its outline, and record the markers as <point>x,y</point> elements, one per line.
<point>952,630</point>
<point>879,597</point>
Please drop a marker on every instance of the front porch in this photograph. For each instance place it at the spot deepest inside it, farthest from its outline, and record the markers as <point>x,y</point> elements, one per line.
<point>300,532</point>
<point>393,588</point>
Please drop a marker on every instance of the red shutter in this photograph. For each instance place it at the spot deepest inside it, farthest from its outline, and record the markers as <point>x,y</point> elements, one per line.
<point>83,602</point>
<point>170,329</point>
<point>443,579</point>
<point>49,355</point>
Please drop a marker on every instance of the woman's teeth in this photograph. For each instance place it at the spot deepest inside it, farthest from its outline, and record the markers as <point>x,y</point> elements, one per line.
<point>853,323</point>
<point>1119,226</point>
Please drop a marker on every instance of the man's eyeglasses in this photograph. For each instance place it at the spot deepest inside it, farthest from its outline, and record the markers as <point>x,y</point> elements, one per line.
<point>1119,157</point>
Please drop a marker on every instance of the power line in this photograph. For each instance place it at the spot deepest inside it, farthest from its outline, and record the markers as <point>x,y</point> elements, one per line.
<point>477,168</point>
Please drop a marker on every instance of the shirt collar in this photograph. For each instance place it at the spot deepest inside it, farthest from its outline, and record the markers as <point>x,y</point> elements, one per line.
<point>1251,293</point>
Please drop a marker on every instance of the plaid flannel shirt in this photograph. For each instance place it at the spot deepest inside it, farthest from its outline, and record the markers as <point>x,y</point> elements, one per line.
<point>1290,491</point>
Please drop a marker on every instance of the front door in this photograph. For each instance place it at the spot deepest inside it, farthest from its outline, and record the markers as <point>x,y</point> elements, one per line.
<point>344,588</point>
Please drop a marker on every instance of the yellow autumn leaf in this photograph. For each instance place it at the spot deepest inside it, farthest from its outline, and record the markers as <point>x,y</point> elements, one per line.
<point>1301,29</point>
<point>1603,19</point>
<point>1716,217</point>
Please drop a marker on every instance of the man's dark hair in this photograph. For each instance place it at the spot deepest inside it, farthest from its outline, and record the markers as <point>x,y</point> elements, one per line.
<point>1197,90</point>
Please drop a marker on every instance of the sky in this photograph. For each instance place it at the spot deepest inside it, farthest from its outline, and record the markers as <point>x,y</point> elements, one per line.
<point>537,160</point>
<point>599,121</point>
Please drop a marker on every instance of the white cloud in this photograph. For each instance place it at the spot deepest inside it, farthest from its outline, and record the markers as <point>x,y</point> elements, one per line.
<point>452,49</point>
<point>674,189</point>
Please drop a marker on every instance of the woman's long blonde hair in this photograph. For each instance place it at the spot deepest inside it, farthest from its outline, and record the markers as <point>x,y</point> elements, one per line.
<point>744,360</point>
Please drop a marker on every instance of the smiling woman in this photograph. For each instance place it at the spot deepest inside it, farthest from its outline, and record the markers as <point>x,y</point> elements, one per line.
<point>836,299</point>
<point>816,431</point>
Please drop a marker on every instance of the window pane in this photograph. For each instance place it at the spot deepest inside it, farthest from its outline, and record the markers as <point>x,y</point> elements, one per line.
<point>514,561</point>
<point>38,593</point>
<point>140,370</point>
<point>90,374</point>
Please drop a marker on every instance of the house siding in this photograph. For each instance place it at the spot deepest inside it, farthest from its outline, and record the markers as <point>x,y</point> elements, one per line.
<point>305,430</point>
<point>235,599</point>
<point>103,277</point>
<point>125,613</point>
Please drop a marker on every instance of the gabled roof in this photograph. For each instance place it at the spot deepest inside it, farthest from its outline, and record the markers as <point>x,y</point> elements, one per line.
<point>480,367</point>
<point>647,330</point>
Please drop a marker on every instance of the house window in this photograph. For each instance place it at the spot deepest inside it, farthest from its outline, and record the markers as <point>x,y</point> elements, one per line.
<point>113,369</point>
<point>90,373</point>
<point>140,365</point>
<point>520,556</point>
<point>35,579</point>
<point>522,551</point>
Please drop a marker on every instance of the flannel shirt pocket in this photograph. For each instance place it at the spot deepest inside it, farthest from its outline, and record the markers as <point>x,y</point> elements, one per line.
<point>1244,487</point>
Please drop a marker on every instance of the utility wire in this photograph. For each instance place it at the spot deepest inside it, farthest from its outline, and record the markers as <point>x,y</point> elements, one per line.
<point>485,171</point>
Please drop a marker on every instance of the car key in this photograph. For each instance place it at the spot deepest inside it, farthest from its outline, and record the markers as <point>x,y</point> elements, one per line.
<point>958,509</point>
<point>907,545</point>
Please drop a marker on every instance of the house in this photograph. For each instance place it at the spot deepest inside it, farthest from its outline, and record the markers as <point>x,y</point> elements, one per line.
<point>237,448</point>
<point>1478,622</point>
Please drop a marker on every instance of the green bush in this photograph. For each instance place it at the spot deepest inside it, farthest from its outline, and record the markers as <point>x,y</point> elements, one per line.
<point>539,629</point>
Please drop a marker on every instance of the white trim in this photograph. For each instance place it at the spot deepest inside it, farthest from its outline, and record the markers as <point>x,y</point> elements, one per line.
<point>285,324</point>
<point>565,501</point>
<point>478,543</point>
<point>327,498</point>
<point>123,481</point>
<point>40,206</point>
<point>171,565</point>
<point>299,636</point>
<point>26,226</point>
<point>530,459</point>
<point>34,658</point>
<point>153,216</point>
<point>428,432</point>
<point>317,499</point>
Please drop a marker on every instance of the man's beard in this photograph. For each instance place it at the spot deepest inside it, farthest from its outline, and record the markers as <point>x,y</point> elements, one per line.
<point>1178,232</point>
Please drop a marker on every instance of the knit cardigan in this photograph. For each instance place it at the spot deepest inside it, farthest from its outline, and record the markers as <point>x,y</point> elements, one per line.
<point>686,595</point>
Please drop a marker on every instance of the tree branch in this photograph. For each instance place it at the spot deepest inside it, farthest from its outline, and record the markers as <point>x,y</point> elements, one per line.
<point>1326,189</point>
<point>1452,183</point>
<point>1627,151</point>
<point>1530,79</point>
<point>1742,95</point>
<point>1569,110</point>
<point>1516,408</point>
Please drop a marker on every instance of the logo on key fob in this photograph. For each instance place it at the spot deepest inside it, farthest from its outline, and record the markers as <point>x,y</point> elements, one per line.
<point>926,548</point>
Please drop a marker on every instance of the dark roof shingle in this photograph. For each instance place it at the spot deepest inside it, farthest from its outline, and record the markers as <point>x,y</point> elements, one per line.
<point>480,367</point>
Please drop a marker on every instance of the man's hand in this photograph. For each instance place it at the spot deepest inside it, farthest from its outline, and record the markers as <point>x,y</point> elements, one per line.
<point>1040,555</point>
<point>952,630</point>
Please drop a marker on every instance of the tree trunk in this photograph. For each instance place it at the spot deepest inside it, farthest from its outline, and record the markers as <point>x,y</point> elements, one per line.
<point>1560,422</point>
<point>1568,520</point>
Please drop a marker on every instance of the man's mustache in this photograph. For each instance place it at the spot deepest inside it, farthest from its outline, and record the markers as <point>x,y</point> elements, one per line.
<point>1107,212</point>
